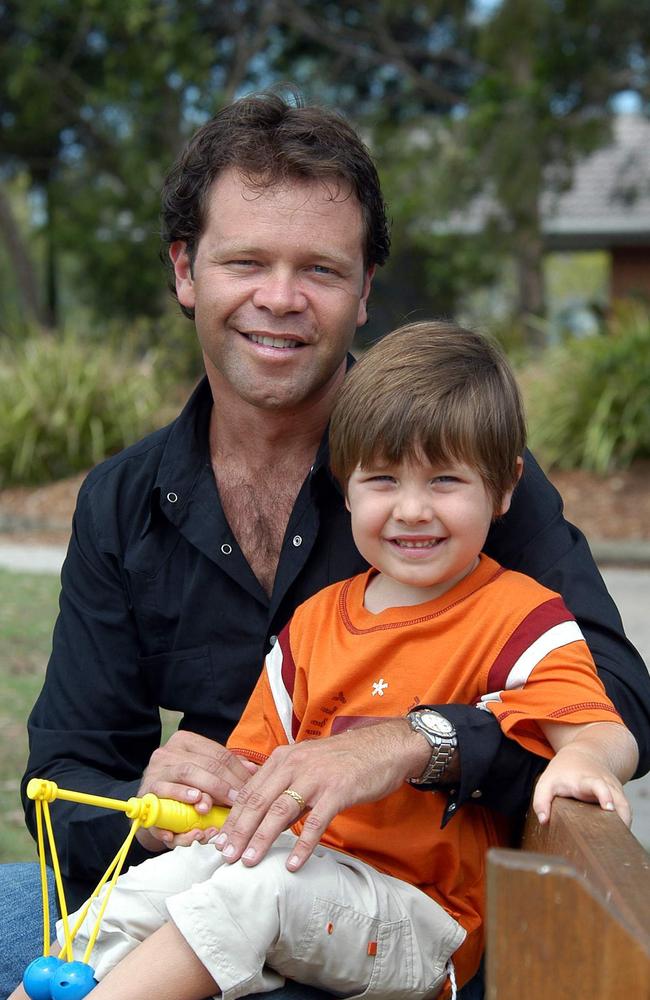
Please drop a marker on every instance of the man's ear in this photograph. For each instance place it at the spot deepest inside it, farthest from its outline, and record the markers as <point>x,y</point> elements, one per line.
<point>362,314</point>
<point>180,258</point>
<point>504,506</point>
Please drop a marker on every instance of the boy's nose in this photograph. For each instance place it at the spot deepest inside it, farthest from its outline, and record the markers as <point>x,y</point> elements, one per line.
<point>413,508</point>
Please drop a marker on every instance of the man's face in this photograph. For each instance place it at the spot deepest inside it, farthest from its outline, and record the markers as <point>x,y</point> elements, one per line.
<point>278,287</point>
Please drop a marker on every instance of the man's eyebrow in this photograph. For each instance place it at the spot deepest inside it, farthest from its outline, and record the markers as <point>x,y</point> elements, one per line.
<point>248,250</point>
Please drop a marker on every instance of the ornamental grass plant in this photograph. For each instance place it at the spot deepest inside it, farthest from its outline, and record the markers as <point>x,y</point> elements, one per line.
<point>588,401</point>
<point>66,403</point>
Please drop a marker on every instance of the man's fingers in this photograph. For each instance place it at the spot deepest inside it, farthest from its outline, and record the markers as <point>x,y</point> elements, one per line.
<point>281,815</point>
<point>313,830</point>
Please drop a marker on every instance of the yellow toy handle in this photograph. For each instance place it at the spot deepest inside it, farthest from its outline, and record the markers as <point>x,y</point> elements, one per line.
<point>179,817</point>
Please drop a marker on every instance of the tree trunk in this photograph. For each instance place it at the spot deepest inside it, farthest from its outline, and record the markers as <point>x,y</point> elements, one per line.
<point>51,276</point>
<point>531,298</point>
<point>23,265</point>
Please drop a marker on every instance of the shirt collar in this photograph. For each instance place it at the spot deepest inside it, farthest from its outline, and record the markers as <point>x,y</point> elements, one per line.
<point>187,450</point>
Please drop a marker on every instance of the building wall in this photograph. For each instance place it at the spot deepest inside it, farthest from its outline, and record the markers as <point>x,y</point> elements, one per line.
<point>630,272</point>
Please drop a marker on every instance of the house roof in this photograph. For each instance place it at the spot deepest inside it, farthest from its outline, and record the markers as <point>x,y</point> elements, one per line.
<point>608,203</point>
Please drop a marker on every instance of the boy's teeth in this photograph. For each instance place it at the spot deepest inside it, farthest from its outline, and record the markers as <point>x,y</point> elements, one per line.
<point>271,341</point>
<point>427,543</point>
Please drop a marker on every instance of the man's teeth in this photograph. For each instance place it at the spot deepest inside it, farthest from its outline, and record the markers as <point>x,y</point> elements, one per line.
<point>425,544</point>
<point>272,341</point>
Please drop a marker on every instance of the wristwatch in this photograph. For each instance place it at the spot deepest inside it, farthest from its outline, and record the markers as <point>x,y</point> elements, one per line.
<point>441,736</point>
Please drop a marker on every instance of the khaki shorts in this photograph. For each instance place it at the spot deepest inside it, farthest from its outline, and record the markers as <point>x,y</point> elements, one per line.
<point>336,924</point>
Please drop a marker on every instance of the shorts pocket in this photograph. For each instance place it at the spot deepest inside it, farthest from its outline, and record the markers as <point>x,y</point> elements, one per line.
<point>341,949</point>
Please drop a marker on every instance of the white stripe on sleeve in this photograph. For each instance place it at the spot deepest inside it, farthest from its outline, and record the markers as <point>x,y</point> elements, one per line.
<point>556,637</point>
<point>281,697</point>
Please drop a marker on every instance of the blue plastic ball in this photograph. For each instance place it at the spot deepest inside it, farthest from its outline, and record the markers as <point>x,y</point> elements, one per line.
<point>38,976</point>
<point>72,981</point>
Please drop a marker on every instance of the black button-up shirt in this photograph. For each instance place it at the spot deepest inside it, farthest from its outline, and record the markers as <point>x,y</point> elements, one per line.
<point>160,608</point>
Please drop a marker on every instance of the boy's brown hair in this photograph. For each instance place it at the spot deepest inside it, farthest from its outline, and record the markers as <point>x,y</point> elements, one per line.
<point>436,389</point>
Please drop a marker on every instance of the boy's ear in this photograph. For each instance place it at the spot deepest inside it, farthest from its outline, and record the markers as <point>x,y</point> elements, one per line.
<point>347,503</point>
<point>504,506</point>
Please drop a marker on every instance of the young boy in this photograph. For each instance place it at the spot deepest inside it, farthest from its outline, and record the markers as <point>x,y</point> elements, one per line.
<point>426,441</point>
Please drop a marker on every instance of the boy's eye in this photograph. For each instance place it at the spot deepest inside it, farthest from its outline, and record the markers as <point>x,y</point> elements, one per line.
<point>445,479</point>
<point>384,478</point>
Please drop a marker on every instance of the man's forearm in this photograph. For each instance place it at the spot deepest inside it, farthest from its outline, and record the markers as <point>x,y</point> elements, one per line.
<point>492,770</point>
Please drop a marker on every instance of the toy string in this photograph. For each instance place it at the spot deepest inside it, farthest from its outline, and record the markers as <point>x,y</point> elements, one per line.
<point>67,950</point>
<point>121,858</point>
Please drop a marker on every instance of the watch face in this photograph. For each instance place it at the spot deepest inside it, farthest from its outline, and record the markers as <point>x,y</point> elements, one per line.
<point>436,723</point>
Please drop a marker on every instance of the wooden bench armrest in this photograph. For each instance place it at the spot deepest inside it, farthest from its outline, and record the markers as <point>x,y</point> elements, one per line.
<point>568,915</point>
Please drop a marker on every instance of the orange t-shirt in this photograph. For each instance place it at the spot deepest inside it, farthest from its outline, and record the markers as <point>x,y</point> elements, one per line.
<point>497,639</point>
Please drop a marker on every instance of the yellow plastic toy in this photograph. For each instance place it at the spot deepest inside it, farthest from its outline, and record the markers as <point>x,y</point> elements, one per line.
<point>61,978</point>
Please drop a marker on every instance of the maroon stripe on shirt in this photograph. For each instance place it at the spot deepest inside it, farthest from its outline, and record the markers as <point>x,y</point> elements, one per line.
<point>539,621</point>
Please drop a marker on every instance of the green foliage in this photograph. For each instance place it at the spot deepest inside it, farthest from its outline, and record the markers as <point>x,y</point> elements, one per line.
<point>589,402</point>
<point>65,404</point>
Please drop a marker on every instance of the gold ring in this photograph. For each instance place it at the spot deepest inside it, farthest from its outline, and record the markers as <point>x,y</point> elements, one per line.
<point>296,796</point>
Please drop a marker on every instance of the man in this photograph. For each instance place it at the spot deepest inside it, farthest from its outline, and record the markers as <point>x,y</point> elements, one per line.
<point>191,549</point>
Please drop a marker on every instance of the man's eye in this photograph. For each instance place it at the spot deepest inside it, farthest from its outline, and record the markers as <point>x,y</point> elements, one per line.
<point>323,269</point>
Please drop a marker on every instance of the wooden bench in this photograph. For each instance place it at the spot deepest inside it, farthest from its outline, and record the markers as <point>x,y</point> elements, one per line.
<point>568,915</point>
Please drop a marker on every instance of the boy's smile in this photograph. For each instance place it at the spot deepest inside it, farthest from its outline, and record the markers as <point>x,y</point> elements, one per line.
<point>421,526</point>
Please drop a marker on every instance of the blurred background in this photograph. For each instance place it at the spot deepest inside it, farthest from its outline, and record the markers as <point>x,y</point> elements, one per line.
<point>513,143</point>
<point>514,150</point>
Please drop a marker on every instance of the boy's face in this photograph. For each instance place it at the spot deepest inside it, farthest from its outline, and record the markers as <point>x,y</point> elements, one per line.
<point>421,526</point>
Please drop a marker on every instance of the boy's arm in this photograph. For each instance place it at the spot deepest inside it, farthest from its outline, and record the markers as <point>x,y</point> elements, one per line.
<point>591,763</point>
<point>534,538</point>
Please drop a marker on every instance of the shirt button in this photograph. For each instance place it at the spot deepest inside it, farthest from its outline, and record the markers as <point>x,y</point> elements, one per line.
<point>453,792</point>
<point>226,549</point>
<point>172,497</point>
<point>273,639</point>
<point>477,794</point>
<point>297,540</point>
<point>452,807</point>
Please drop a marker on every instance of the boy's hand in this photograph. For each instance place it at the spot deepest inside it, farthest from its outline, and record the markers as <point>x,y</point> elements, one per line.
<point>575,774</point>
<point>193,769</point>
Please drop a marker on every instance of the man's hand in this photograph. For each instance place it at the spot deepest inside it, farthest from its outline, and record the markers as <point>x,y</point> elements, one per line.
<point>194,769</point>
<point>575,774</point>
<point>361,765</point>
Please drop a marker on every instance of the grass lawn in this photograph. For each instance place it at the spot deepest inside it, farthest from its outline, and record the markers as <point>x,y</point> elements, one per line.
<point>28,608</point>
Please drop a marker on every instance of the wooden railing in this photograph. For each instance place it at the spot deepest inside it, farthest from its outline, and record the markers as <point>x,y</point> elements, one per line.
<point>568,915</point>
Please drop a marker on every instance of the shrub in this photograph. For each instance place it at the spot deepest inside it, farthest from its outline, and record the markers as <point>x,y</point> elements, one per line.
<point>589,402</point>
<point>65,404</point>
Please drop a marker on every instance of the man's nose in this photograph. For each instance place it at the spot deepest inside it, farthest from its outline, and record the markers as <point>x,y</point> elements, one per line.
<point>280,293</point>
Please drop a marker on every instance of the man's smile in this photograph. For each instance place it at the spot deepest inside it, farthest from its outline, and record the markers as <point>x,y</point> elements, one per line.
<point>270,340</point>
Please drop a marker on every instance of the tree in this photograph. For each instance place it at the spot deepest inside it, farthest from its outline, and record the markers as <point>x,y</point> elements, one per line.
<point>96,100</point>
<point>465,101</point>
